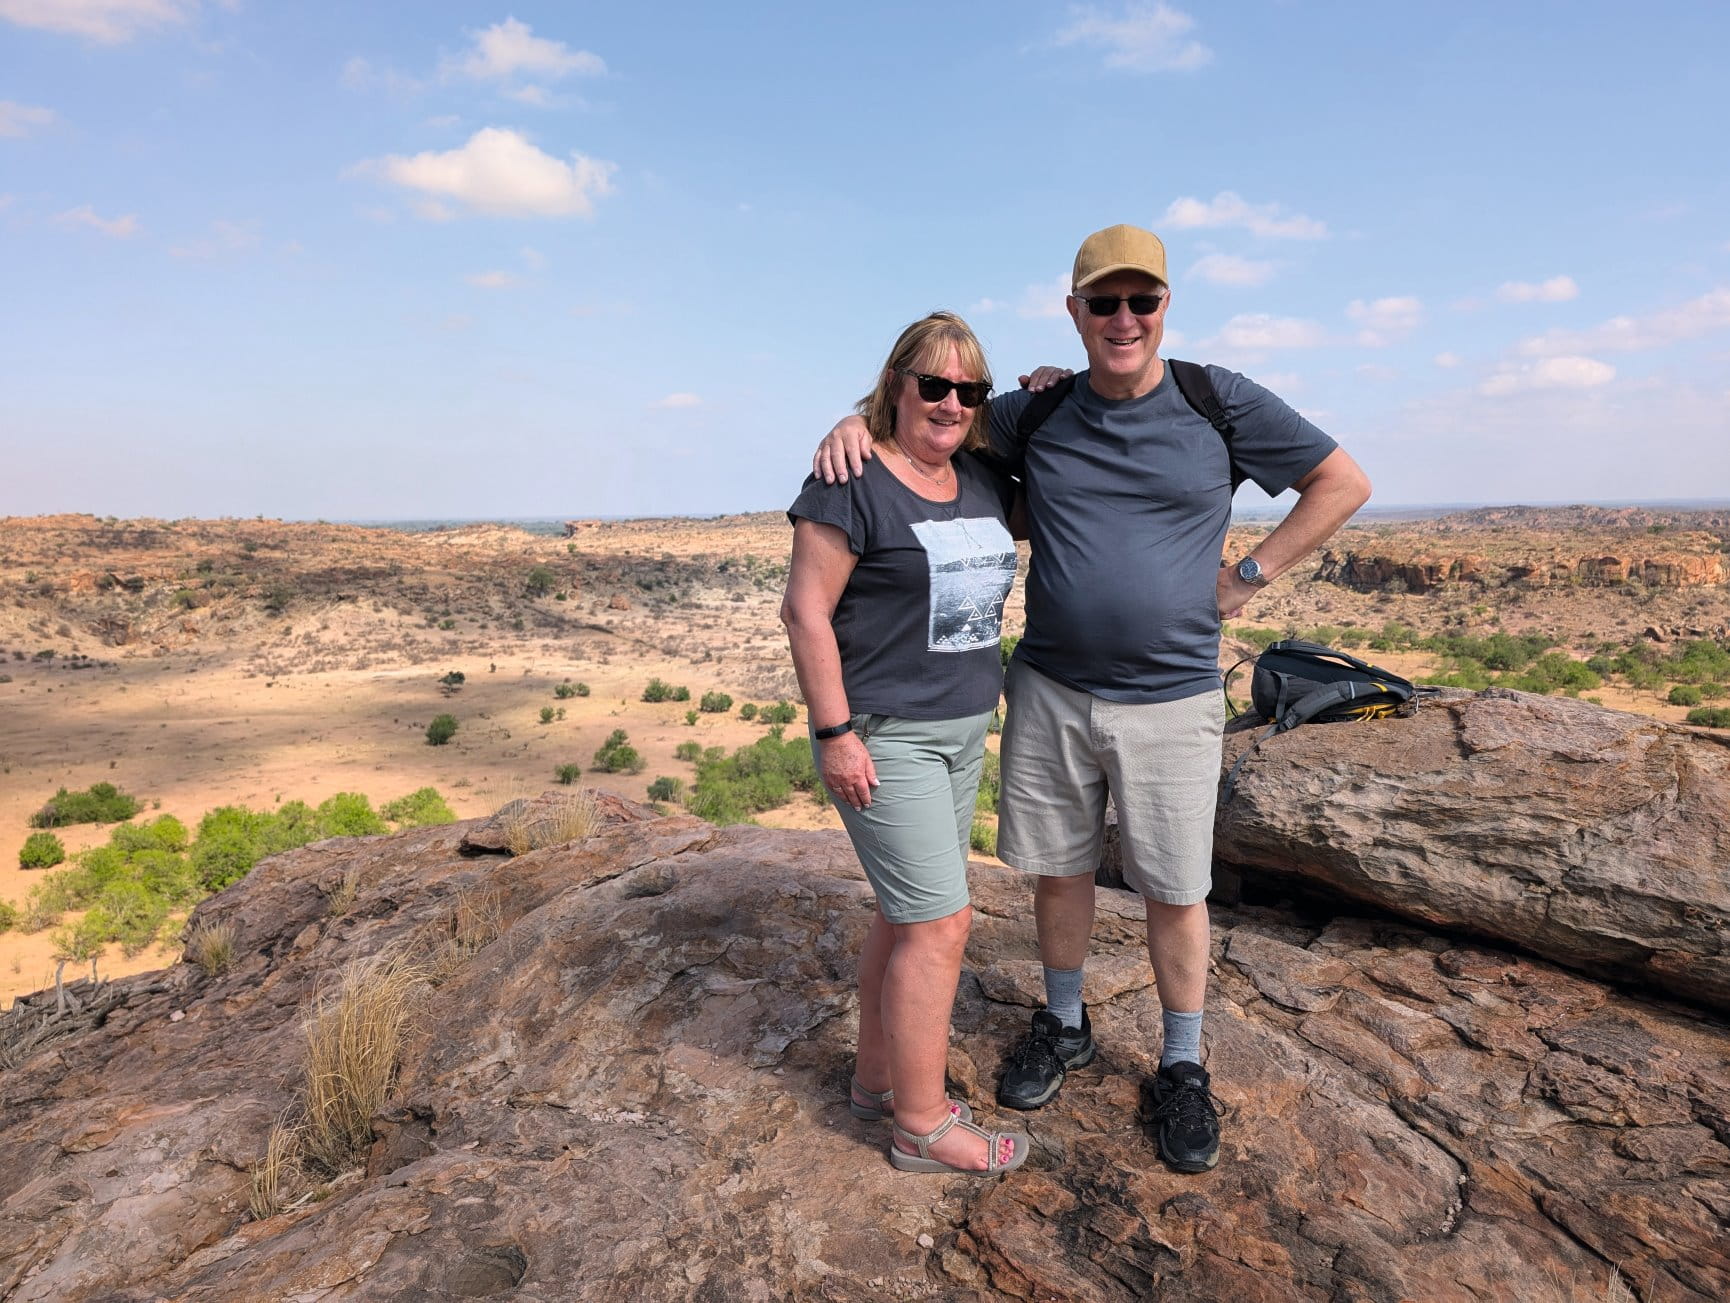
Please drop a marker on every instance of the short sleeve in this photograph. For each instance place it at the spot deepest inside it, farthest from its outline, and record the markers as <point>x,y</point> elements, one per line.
<point>1008,447</point>
<point>1273,444</point>
<point>831,504</point>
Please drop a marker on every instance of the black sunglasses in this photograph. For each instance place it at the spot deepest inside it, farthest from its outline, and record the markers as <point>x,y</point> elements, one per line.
<point>934,389</point>
<point>1105,305</point>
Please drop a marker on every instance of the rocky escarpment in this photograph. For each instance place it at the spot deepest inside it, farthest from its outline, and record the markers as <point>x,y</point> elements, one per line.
<point>636,1090</point>
<point>1595,838</point>
<point>1420,572</point>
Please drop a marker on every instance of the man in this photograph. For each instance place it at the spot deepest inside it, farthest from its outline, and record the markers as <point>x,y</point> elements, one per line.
<point>1115,685</point>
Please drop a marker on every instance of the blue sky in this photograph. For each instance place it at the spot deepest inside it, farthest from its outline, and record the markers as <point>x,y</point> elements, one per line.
<point>534,259</point>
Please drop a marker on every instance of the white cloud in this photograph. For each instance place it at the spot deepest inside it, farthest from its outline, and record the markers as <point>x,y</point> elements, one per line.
<point>1253,331</point>
<point>118,228</point>
<point>1228,269</point>
<point>1142,37</point>
<point>21,119</point>
<point>1688,320</point>
<point>224,237</point>
<point>1558,289</point>
<point>678,400</point>
<point>1385,320</point>
<point>1447,360</point>
<point>491,280</point>
<point>1045,299</point>
<point>509,53</point>
<point>500,174</point>
<point>1548,373</point>
<point>1230,209</point>
<point>106,21</point>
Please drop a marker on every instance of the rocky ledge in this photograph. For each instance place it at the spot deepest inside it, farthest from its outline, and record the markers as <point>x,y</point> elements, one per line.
<point>634,1088</point>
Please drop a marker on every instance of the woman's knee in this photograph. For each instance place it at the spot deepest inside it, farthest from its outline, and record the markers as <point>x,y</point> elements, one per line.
<point>946,933</point>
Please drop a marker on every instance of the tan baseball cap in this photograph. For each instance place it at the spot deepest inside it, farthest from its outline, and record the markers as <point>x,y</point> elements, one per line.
<point>1119,248</point>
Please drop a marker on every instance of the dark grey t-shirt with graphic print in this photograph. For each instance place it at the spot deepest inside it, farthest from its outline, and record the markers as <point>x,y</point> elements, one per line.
<point>1128,503</point>
<point>919,622</point>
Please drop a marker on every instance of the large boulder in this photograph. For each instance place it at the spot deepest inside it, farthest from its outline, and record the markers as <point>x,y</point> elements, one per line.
<point>636,1090</point>
<point>1592,837</point>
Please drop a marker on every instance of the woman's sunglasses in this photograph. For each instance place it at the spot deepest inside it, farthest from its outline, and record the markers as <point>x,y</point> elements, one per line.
<point>934,389</point>
<point>1105,305</point>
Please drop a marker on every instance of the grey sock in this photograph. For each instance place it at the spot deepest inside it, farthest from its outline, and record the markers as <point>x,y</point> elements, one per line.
<point>1182,1038</point>
<point>1063,994</point>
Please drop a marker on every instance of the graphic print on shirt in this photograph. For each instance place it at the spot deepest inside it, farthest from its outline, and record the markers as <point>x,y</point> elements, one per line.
<point>972,566</point>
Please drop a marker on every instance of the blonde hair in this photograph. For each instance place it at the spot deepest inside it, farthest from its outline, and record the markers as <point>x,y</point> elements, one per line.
<point>924,347</point>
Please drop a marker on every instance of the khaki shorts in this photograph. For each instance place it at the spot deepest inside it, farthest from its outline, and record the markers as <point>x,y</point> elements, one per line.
<point>1064,749</point>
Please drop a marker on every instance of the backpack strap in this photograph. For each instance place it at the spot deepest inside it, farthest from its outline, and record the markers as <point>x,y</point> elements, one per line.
<point>1196,386</point>
<point>1039,409</point>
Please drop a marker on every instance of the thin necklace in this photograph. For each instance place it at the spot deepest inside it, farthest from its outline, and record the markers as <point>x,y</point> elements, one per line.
<point>939,480</point>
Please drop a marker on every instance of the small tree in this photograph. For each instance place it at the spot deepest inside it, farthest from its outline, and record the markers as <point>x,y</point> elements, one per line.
<point>715,703</point>
<point>539,582</point>
<point>657,691</point>
<point>616,755</point>
<point>441,730</point>
<point>42,850</point>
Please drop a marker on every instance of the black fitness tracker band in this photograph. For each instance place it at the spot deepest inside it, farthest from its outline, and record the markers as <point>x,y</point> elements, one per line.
<point>824,734</point>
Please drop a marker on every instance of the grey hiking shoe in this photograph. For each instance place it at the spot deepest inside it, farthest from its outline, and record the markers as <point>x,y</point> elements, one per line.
<point>1038,1063</point>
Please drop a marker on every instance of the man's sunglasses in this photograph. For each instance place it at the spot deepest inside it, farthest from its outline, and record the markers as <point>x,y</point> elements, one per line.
<point>1105,305</point>
<point>934,389</point>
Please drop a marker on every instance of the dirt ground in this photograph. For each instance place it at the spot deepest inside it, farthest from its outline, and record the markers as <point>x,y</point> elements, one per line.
<point>202,663</point>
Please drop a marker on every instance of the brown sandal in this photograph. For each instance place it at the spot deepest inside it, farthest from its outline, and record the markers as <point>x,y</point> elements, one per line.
<point>923,1162</point>
<point>882,1104</point>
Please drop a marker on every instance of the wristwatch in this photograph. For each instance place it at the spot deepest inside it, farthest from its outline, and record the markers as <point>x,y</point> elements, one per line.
<point>1249,570</point>
<point>834,730</point>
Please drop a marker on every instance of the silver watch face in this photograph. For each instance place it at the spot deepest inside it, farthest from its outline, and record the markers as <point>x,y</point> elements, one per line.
<point>1249,570</point>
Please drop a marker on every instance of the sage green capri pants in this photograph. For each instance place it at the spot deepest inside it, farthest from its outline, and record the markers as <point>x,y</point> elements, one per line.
<point>913,838</point>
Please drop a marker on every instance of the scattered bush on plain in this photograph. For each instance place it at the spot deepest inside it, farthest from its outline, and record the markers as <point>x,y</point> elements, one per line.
<point>715,703</point>
<point>421,808</point>
<point>1710,716</point>
<point>730,789</point>
<point>666,789</point>
<point>441,730</point>
<point>41,850</point>
<point>100,803</point>
<point>617,756</point>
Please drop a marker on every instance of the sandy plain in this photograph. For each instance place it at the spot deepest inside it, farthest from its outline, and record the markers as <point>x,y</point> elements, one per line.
<point>203,663</point>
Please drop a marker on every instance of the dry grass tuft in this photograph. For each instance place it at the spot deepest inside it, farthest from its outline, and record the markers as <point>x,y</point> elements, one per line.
<point>354,1036</point>
<point>530,827</point>
<point>1618,1291</point>
<point>277,1177</point>
<point>210,946</point>
<point>343,893</point>
<point>475,921</point>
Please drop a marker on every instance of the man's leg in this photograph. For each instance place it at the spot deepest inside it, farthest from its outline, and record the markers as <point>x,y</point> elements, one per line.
<point>1163,759</point>
<point>1050,822</point>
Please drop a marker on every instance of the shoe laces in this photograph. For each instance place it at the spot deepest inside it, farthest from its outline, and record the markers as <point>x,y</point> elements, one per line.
<point>1036,1051</point>
<point>1191,1104</point>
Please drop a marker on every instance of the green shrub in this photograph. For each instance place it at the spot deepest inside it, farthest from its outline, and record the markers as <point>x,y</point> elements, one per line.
<point>8,916</point>
<point>582,689</point>
<point>687,751</point>
<point>729,789</point>
<point>454,679</point>
<point>165,833</point>
<point>546,714</point>
<point>348,814</point>
<point>1684,694</point>
<point>666,789</point>
<point>539,582</point>
<point>100,803</point>
<point>656,690</point>
<point>130,914</point>
<point>441,730</point>
<point>564,690</point>
<point>748,712</point>
<point>715,703</point>
<point>983,837</point>
<point>46,902</point>
<point>421,808</point>
<point>990,783</point>
<point>1710,716</point>
<point>1006,646</point>
<point>690,718</point>
<point>567,774</point>
<point>41,850</point>
<point>782,712</point>
<point>617,756</point>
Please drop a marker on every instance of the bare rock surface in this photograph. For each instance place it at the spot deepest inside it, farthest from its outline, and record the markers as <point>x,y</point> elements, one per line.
<point>637,1091</point>
<point>1592,837</point>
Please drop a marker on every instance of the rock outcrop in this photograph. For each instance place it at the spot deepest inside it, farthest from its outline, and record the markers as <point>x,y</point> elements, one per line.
<point>1592,837</point>
<point>1372,571</point>
<point>637,1091</point>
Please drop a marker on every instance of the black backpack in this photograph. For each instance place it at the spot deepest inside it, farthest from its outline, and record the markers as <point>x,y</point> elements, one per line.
<point>1298,682</point>
<point>1192,382</point>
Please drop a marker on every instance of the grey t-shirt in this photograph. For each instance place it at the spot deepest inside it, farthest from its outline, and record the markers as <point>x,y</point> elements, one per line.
<point>919,621</point>
<point>1128,503</point>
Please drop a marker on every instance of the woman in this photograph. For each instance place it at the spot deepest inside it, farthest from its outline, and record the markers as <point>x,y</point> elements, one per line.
<point>893,609</point>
